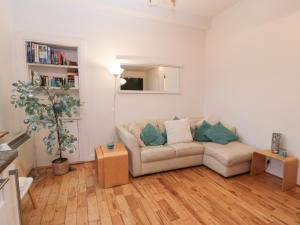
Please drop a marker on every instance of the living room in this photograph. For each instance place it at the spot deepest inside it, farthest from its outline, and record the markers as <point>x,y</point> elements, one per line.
<point>237,64</point>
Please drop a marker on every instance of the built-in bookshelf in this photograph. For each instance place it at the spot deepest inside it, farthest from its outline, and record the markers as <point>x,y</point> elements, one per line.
<point>55,64</point>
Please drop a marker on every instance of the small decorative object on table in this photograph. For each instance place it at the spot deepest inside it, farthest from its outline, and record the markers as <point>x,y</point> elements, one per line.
<point>283,153</point>
<point>276,142</point>
<point>110,145</point>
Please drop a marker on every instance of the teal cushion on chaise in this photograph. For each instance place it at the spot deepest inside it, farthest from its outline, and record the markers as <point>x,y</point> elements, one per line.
<point>220,134</point>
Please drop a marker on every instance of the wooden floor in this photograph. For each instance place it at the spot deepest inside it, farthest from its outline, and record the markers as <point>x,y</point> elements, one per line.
<point>189,196</point>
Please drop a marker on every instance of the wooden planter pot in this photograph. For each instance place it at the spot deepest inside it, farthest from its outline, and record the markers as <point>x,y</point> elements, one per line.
<point>60,166</point>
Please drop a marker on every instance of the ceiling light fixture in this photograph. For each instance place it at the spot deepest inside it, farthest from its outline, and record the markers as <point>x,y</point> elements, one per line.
<point>173,2</point>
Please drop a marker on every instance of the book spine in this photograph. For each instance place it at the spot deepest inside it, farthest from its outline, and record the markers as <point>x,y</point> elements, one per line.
<point>33,52</point>
<point>29,52</point>
<point>59,58</point>
<point>52,56</point>
<point>43,51</point>
<point>55,57</point>
<point>36,53</point>
<point>48,55</point>
<point>40,53</point>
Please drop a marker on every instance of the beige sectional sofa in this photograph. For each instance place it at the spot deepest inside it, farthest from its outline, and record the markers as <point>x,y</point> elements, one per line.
<point>227,160</point>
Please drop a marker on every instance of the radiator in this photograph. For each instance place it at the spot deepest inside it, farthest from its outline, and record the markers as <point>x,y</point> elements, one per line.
<point>24,144</point>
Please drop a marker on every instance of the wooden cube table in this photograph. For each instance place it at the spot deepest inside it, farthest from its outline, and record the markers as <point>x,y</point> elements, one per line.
<point>111,165</point>
<point>290,167</point>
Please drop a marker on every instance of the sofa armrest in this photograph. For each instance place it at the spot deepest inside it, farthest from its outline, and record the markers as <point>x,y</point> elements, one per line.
<point>134,152</point>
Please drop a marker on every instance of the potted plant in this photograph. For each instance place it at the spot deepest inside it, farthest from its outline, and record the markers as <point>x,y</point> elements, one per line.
<point>46,108</point>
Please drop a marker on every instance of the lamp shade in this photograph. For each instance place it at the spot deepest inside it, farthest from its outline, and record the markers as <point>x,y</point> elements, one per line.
<point>115,70</point>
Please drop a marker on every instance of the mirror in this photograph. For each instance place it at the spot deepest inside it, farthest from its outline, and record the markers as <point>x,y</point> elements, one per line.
<point>149,79</point>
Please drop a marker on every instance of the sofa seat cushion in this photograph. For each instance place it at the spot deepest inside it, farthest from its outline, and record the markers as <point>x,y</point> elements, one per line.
<point>229,154</point>
<point>188,149</point>
<point>157,153</point>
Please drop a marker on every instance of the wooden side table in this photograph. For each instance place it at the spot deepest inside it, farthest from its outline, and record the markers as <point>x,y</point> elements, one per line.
<point>290,167</point>
<point>111,165</point>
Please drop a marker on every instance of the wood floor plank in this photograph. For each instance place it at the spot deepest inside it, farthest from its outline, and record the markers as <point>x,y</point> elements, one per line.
<point>82,216</point>
<point>105,217</point>
<point>70,219</point>
<point>93,214</point>
<point>168,211</point>
<point>59,216</point>
<point>189,196</point>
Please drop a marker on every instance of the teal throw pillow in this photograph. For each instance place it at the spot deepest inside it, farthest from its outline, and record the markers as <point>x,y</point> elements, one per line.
<point>199,134</point>
<point>151,137</point>
<point>220,134</point>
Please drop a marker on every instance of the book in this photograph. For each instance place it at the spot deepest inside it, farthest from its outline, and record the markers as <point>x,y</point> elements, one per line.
<point>43,53</point>
<point>33,52</point>
<point>29,52</point>
<point>48,55</point>
<point>36,53</point>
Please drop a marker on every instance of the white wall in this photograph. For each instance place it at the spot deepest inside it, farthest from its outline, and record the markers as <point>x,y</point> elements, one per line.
<point>154,79</point>
<point>252,72</point>
<point>105,35</point>
<point>5,60</point>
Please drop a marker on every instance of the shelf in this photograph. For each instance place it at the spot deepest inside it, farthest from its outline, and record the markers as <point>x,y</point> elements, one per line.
<point>52,66</point>
<point>57,88</point>
<point>70,118</point>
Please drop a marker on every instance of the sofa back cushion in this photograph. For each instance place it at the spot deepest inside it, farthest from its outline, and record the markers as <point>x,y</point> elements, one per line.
<point>136,127</point>
<point>193,122</point>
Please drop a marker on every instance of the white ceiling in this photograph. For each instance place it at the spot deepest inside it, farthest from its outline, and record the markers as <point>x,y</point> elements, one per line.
<point>193,13</point>
<point>196,7</point>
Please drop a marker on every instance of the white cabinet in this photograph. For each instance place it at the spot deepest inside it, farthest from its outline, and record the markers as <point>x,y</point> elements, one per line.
<point>9,203</point>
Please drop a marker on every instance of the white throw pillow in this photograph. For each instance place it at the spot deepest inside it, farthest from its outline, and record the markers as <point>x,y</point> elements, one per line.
<point>178,131</point>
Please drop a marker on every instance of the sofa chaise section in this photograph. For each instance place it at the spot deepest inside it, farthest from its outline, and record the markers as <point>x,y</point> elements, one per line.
<point>228,160</point>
